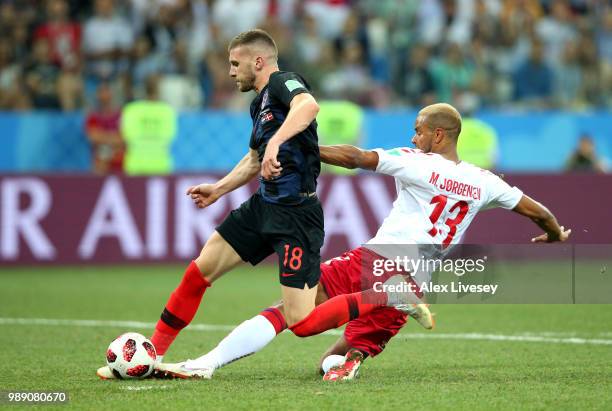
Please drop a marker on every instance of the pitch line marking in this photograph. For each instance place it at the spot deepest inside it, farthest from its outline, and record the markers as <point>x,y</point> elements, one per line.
<point>145,388</point>
<point>544,337</point>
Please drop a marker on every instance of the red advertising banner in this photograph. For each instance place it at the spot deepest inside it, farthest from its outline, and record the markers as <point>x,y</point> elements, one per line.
<point>90,219</point>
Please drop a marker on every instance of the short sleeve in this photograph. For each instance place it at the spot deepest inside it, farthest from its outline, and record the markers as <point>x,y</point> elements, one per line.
<point>286,85</point>
<point>252,143</point>
<point>396,163</point>
<point>501,194</point>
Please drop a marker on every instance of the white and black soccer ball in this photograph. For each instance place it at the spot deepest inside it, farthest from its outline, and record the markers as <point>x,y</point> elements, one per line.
<point>331,361</point>
<point>131,356</point>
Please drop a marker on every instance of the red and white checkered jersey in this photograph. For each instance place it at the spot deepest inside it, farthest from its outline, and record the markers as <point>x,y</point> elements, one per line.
<point>437,199</point>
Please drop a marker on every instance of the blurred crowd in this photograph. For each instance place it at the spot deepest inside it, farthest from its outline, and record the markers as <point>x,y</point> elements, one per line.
<point>56,54</point>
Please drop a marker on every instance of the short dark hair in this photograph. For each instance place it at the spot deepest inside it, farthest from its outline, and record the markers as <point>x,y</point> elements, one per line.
<point>248,38</point>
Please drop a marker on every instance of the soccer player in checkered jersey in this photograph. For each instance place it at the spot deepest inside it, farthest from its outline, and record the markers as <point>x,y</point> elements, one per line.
<point>438,196</point>
<point>284,216</point>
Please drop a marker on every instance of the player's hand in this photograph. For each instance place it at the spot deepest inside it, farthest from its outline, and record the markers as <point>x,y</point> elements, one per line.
<point>203,195</point>
<point>545,238</point>
<point>270,167</point>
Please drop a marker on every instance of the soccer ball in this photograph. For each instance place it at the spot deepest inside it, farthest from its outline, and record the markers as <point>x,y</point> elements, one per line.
<point>331,361</point>
<point>131,355</point>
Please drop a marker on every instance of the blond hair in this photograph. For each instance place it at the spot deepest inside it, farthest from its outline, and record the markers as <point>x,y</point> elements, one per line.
<point>444,116</point>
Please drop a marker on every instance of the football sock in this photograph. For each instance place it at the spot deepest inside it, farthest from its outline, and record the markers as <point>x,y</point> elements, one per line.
<point>338,311</point>
<point>246,339</point>
<point>180,308</point>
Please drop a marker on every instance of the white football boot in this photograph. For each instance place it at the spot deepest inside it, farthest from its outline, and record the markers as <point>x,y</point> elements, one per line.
<point>180,370</point>
<point>420,312</point>
<point>404,300</point>
<point>105,373</point>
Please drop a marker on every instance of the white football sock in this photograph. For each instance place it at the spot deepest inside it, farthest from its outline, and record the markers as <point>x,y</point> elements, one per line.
<point>246,339</point>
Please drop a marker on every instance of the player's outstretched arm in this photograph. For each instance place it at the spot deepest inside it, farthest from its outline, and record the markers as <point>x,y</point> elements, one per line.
<point>540,215</point>
<point>303,110</point>
<point>204,195</point>
<point>347,156</point>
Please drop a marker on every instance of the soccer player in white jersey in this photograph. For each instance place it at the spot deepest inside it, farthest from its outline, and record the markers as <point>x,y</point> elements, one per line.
<point>437,198</point>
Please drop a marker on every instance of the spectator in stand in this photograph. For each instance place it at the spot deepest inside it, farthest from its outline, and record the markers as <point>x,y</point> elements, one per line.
<point>517,29</point>
<point>102,128</point>
<point>353,31</point>
<point>391,32</point>
<point>49,87</point>
<point>458,20</point>
<point>144,11</point>
<point>107,43</point>
<point>446,21</point>
<point>308,44</point>
<point>584,158</point>
<point>533,79</point>
<point>194,16</point>
<point>164,35</point>
<point>593,85</point>
<point>320,69</point>
<point>418,82</point>
<point>189,39</point>
<point>486,22</point>
<point>487,83</point>
<point>41,77</point>
<point>351,80</point>
<point>145,63</point>
<point>71,88</point>
<point>178,88</point>
<point>8,17</point>
<point>231,17</point>
<point>331,15</point>
<point>568,79</point>
<point>63,35</point>
<point>21,40</point>
<point>453,74</point>
<point>514,13</point>
<point>556,30</point>
<point>12,93</point>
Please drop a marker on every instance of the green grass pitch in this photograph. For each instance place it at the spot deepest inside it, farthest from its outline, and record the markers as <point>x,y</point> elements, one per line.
<point>412,373</point>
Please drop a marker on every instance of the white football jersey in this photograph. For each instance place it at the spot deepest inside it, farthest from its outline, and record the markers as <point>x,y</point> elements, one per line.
<point>437,199</point>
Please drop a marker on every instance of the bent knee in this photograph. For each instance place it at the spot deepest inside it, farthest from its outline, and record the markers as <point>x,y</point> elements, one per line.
<point>292,321</point>
<point>296,323</point>
<point>294,317</point>
<point>300,330</point>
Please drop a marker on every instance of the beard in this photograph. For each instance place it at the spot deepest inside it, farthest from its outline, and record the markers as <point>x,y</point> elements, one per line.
<point>247,83</point>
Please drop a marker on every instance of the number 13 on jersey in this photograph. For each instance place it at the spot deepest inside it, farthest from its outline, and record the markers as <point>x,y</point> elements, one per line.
<point>441,202</point>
